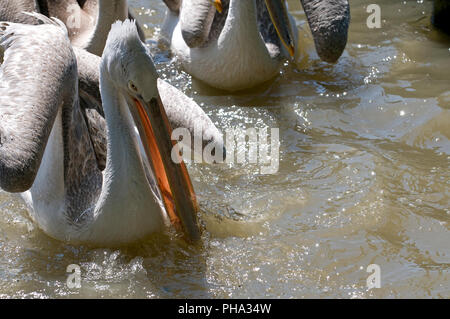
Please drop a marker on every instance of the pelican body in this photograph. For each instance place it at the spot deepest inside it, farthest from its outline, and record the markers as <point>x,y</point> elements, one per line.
<point>246,43</point>
<point>48,152</point>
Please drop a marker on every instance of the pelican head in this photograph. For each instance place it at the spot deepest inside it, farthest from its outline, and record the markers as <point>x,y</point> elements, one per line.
<point>129,70</point>
<point>128,63</point>
<point>329,21</point>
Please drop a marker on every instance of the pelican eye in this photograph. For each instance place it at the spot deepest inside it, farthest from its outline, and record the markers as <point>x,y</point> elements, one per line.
<point>133,87</point>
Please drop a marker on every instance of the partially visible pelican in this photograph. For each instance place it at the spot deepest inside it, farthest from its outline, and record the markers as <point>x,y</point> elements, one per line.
<point>88,21</point>
<point>47,151</point>
<point>243,43</point>
<point>441,15</point>
<point>233,50</point>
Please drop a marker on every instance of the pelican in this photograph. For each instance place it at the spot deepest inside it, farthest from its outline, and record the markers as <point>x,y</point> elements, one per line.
<point>47,152</point>
<point>243,43</point>
<point>88,21</point>
<point>441,14</point>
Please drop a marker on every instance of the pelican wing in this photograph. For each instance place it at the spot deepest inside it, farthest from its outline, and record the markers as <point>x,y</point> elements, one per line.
<point>91,102</point>
<point>96,125</point>
<point>31,82</point>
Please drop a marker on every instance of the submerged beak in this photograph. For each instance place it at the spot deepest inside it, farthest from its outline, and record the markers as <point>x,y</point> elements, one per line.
<point>218,5</point>
<point>329,22</point>
<point>279,15</point>
<point>173,179</point>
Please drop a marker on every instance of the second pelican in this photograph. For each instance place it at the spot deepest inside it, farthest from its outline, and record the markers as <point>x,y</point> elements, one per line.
<point>246,43</point>
<point>88,21</point>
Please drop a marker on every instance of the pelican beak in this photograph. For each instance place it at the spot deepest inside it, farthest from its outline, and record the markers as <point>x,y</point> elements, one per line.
<point>218,5</point>
<point>279,15</point>
<point>172,176</point>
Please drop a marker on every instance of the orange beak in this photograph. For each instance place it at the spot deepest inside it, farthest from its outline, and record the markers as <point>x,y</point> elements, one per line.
<point>218,5</point>
<point>173,179</point>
